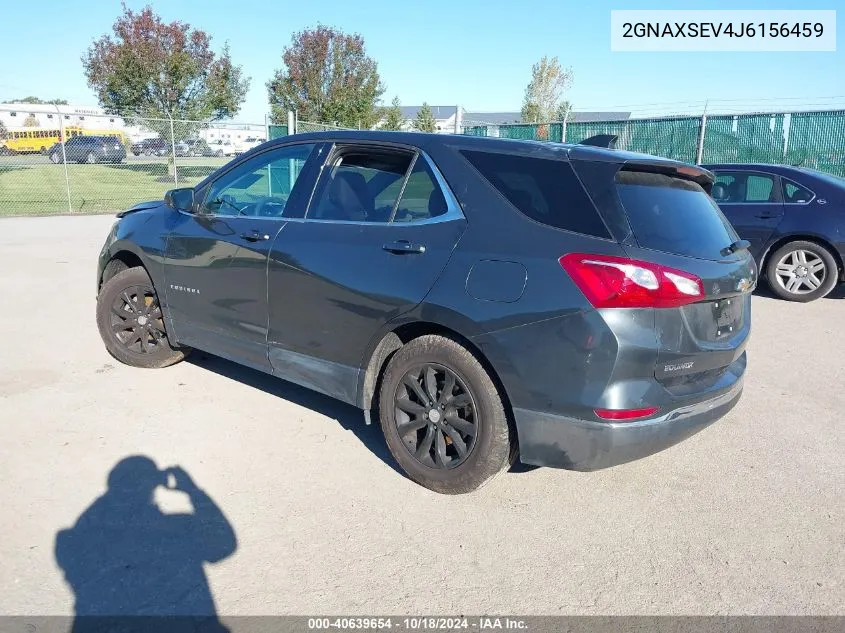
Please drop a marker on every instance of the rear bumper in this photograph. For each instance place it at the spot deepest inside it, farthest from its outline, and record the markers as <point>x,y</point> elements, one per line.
<point>546,439</point>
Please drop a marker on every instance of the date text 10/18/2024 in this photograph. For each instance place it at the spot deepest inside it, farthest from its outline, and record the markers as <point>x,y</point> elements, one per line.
<point>418,623</point>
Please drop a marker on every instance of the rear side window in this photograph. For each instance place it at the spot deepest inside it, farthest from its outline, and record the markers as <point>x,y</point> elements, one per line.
<point>546,190</point>
<point>673,215</point>
<point>362,186</point>
<point>421,198</point>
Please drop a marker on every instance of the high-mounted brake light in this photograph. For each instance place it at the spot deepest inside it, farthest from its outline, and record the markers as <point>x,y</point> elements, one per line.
<point>619,282</point>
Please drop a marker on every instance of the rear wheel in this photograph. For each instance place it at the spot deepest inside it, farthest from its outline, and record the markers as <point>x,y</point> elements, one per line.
<point>802,271</point>
<point>442,416</point>
<point>131,323</point>
<point>55,158</point>
<point>90,159</point>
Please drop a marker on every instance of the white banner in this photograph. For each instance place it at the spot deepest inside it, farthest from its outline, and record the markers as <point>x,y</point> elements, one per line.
<point>716,30</point>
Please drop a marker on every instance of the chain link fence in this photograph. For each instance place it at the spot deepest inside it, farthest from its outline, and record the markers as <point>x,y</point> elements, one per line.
<point>65,159</point>
<point>810,139</point>
<point>69,159</point>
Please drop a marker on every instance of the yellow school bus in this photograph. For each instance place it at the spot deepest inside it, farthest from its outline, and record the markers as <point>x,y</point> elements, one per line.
<point>31,140</point>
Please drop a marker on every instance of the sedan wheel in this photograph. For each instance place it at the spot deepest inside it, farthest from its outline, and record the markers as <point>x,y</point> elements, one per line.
<point>802,271</point>
<point>54,158</point>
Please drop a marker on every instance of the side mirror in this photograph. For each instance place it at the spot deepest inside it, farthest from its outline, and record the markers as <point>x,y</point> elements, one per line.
<point>181,199</point>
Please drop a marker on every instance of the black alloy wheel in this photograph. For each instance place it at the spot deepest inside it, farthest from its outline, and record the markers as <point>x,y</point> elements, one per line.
<point>131,321</point>
<point>137,322</point>
<point>436,416</point>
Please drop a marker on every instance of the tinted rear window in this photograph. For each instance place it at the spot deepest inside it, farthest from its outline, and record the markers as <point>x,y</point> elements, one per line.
<point>673,215</point>
<point>545,190</point>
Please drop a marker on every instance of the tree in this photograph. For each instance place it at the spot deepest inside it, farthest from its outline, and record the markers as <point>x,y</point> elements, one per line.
<point>149,68</point>
<point>327,77</point>
<point>37,101</point>
<point>392,116</point>
<point>425,121</point>
<point>30,121</point>
<point>3,132</point>
<point>564,111</point>
<point>544,92</point>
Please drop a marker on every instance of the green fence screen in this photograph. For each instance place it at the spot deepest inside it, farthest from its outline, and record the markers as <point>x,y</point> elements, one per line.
<point>277,131</point>
<point>675,138</point>
<point>533,132</point>
<point>817,140</point>
<point>744,138</point>
<point>809,139</point>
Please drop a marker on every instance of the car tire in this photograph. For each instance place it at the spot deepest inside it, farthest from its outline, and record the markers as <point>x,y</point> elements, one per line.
<point>55,158</point>
<point>219,153</point>
<point>425,436</point>
<point>90,158</point>
<point>131,323</point>
<point>802,271</point>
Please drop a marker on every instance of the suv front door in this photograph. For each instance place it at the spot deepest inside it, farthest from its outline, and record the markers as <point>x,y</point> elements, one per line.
<point>216,257</point>
<point>752,203</point>
<point>379,230</point>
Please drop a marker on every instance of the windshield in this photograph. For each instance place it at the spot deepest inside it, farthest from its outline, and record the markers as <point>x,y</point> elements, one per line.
<point>673,215</point>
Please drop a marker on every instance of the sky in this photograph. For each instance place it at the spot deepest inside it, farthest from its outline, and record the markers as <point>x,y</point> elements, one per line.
<point>472,53</point>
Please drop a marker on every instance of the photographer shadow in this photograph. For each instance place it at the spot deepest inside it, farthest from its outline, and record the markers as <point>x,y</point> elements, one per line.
<point>133,567</point>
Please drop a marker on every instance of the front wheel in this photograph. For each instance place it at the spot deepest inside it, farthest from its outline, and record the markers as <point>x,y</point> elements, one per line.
<point>131,323</point>
<point>90,159</point>
<point>443,417</point>
<point>802,271</point>
<point>55,158</point>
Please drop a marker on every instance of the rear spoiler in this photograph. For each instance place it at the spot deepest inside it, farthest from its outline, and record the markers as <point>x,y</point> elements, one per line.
<point>672,168</point>
<point>601,140</point>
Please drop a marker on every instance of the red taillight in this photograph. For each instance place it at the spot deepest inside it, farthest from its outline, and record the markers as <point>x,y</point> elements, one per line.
<point>625,415</point>
<point>620,282</point>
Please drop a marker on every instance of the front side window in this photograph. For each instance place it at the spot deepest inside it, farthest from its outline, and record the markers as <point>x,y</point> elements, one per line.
<point>260,186</point>
<point>362,185</point>
<point>742,187</point>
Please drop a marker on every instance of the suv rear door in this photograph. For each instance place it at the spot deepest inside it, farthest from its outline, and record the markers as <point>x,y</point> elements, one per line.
<point>380,228</point>
<point>675,223</point>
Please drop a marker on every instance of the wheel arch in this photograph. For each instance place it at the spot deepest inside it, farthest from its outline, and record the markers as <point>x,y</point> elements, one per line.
<point>398,334</point>
<point>120,260</point>
<point>802,237</point>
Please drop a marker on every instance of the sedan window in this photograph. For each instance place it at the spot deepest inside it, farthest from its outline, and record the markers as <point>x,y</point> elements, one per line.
<point>795,194</point>
<point>744,187</point>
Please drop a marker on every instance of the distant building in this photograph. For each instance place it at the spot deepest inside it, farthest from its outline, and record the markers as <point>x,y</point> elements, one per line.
<point>450,119</point>
<point>44,116</point>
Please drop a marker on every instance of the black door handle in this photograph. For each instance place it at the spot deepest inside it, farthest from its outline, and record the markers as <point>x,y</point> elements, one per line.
<point>766,216</point>
<point>403,246</point>
<point>255,236</point>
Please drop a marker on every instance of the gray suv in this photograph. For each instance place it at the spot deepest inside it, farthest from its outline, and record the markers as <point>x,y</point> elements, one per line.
<point>89,149</point>
<point>481,298</point>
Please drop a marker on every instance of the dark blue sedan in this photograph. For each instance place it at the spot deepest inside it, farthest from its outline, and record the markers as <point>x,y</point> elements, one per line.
<point>794,219</point>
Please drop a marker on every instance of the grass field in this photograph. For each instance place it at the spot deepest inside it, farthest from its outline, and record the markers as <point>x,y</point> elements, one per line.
<point>32,185</point>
